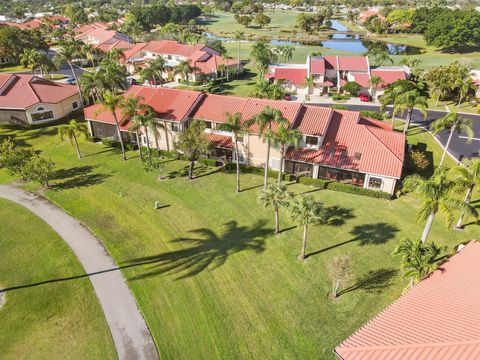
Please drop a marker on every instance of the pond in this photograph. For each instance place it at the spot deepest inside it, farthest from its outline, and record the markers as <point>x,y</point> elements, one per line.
<point>345,42</point>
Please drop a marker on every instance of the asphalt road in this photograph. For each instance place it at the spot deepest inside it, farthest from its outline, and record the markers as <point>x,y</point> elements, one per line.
<point>458,146</point>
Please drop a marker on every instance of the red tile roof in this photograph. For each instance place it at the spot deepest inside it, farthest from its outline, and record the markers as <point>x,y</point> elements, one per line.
<point>105,39</point>
<point>220,141</point>
<point>317,65</point>
<point>382,151</point>
<point>295,76</point>
<point>316,121</point>
<point>18,91</point>
<point>168,104</point>
<point>437,319</point>
<point>353,63</point>
<point>362,79</point>
<point>389,76</point>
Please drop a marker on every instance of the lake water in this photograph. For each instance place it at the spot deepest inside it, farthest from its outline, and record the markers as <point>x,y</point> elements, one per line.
<point>346,42</point>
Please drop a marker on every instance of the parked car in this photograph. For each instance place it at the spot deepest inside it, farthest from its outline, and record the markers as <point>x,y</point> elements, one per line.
<point>287,97</point>
<point>70,81</point>
<point>365,98</point>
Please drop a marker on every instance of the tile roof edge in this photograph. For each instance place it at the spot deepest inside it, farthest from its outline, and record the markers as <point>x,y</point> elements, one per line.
<point>368,127</point>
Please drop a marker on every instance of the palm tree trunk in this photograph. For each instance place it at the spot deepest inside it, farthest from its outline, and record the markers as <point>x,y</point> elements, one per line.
<point>155,135</point>
<point>166,135</point>
<point>428,225</point>
<point>148,142</point>
<point>119,134</point>
<point>237,190</point>
<point>468,197</point>
<point>437,100</point>
<point>76,82</point>
<point>139,145</point>
<point>76,146</point>
<point>190,170</point>
<point>238,59</point>
<point>265,179</point>
<point>447,145</point>
<point>304,243</point>
<point>459,101</point>
<point>277,221</point>
<point>408,120</point>
<point>280,171</point>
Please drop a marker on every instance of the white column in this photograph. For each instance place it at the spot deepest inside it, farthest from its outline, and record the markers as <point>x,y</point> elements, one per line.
<point>315,171</point>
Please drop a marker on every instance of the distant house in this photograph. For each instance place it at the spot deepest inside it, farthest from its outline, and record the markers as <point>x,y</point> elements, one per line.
<point>437,319</point>
<point>204,60</point>
<point>28,99</point>
<point>102,37</point>
<point>336,145</point>
<point>53,21</point>
<point>365,14</point>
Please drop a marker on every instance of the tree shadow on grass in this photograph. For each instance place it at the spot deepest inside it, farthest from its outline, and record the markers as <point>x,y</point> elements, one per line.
<point>199,171</point>
<point>205,250</point>
<point>77,177</point>
<point>337,215</point>
<point>367,234</point>
<point>373,281</point>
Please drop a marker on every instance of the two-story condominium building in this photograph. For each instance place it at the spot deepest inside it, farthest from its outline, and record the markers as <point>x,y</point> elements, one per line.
<point>335,71</point>
<point>100,36</point>
<point>28,99</point>
<point>336,145</point>
<point>204,60</point>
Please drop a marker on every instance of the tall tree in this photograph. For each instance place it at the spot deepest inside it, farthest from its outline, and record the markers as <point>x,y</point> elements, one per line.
<point>452,121</point>
<point>112,103</point>
<point>407,102</point>
<point>275,196</point>
<point>193,142</point>
<point>306,211</point>
<point>262,55</point>
<point>465,177</point>
<point>283,137</point>
<point>72,131</point>
<point>143,120</point>
<point>238,35</point>
<point>154,71</point>
<point>435,194</point>
<point>235,125</point>
<point>68,53</point>
<point>374,82</point>
<point>265,121</point>
<point>184,69</point>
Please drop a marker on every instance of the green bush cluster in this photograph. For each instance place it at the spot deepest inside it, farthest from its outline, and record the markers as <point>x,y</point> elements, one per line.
<point>337,186</point>
<point>116,144</point>
<point>232,167</point>
<point>372,114</point>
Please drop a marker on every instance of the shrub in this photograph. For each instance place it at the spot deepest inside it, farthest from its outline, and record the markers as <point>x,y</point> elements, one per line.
<point>208,162</point>
<point>232,167</point>
<point>337,186</point>
<point>419,159</point>
<point>111,143</point>
<point>372,114</point>
<point>339,107</point>
<point>352,88</point>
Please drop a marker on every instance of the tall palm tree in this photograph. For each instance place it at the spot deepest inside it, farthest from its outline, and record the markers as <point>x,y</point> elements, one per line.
<point>407,102</point>
<point>132,106</point>
<point>309,84</point>
<point>283,137</point>
<point>464,86</point>
<point>275,196</point>
<point>452,121</point>
<point>115,55</point>
<point>225,58</point>
<point>435,193</point>
<point>112,103</point>
<point>69,52</point>
<point>262,56</point>
<point>465,177</point>
<point>143,120</point>
<point>112,76</point>
<point>89,52</point>
<point>91,86</point>
<point>238,35</point>
<point>306,211</point>
<point>373,82</point>
<point>265,122</point>
<point>184,69</point>
<point>153,71</point>
<point>36,61</point>
<point>72,131</point>
<point>235,125</point>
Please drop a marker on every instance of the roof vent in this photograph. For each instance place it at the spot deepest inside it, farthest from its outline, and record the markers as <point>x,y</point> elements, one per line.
<point>358,156</point>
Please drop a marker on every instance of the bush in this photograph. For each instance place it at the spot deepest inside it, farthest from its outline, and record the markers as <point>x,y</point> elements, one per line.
<point>339,107</point>
<point>232,167</point>
<point>352,88</point>
<point>208,162</point>
<point>338,97</point>
<point>111,143</point>
<point>372,114</point>
<point>419,159</point>
<point>336,186</point>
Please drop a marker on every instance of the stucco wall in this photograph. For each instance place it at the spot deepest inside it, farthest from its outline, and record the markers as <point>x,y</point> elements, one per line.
<point>13,117</point>
<point>60,109</point>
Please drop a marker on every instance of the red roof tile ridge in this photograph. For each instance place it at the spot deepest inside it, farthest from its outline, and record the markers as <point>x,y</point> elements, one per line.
<point>32,89</point>
<point>369,128</point>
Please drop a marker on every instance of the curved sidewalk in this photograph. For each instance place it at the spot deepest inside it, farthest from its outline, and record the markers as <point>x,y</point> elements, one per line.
<point>130,333</point>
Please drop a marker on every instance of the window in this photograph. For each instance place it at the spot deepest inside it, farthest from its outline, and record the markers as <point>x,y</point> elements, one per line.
<point>40,116</point>
<point>358,156</point>
<point>311,141</point>
<point>375,183</point>
<point>40,108</point>
<point>208,124</point>
<point>75,105</point>
<point>169,57</point>
<point>275,164</point>
<point>175,127</point>
<point>177,58</point>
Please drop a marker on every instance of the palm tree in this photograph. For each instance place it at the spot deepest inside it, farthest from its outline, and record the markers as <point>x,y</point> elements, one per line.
<point>89,52</point>
<point>184,69</point>
<point>283,137</point>
<point>373,82</point>
<point>262,55</point>
<point>465,177</point>
<point>452,121</point>
<point>225,58</point>
<point>265,121</point>
<point>380,56</point>
<point>306,211</point>
<point>111,102</point>
<point>233,123</point>
<point>72,131</point>
<point>275,196</point>
<point>153,71</point>
<point>408,101</point>
<point>143,120</point>
<point>419,259</point>
<point>112,76</point>
<point>35,60</point>
<point>464,87</point>
<point>309,84</point>
<point>435,193</point>
<point>67,54</point>
<point>238,35</point>
<point>115,55</point>
<point>91,85</point>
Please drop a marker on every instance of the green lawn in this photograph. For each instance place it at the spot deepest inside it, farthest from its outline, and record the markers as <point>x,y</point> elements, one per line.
<point>209,276</point>
<point>13,69</point>
<point>58,319</point>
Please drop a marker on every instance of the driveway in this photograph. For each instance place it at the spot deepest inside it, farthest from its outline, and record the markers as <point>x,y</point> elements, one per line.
<point>458,146</point>
<point>130,334</point>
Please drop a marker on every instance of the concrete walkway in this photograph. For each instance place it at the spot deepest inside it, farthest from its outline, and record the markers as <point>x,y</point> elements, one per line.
<point>130,334</point>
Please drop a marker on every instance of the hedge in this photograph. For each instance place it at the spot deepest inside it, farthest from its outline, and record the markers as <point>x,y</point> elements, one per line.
<point>232,167</point>
<point>337,186</point>
<point>116,144</point>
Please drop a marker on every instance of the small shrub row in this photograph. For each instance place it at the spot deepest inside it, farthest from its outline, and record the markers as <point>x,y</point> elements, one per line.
<point>371,114</point>
<point>116,144</point>
<point>208,162</point>
<point>337,186</point>
<point>232,167</point>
